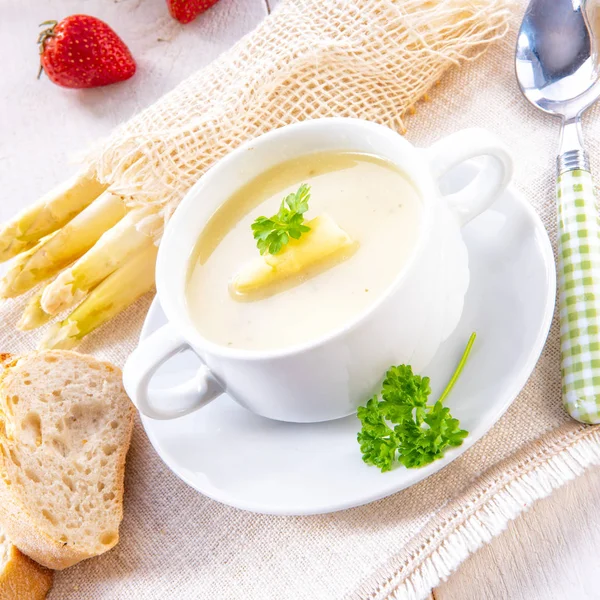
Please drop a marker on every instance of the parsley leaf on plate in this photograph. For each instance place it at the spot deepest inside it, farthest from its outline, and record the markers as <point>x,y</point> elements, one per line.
<point>271,234</point>
<point>377,441</point>
<point>402,426</point>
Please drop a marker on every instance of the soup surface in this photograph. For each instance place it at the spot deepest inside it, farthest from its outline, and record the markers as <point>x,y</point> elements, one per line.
<point>368,197</point>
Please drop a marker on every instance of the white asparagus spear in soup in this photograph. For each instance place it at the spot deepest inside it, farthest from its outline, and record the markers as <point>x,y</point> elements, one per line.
<point>65,246</point>
<point>324,241</point>
<point>49,213</point>
<point>119,290</point>
<point>109,253</point>
<point>34,315</point>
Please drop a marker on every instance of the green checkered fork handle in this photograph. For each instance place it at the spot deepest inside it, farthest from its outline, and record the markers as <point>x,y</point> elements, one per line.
<point>579,287</point>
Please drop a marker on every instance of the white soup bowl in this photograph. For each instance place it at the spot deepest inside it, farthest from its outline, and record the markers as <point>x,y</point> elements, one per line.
<point>332,375</point>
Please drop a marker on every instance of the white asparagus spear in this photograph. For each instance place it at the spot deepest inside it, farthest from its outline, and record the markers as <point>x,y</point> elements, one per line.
<point>109,253</point>
<point>65,246</point>
<point>34,315</point>
<point>18,264</point>
<point>49,213</point>
<point>119,290</point>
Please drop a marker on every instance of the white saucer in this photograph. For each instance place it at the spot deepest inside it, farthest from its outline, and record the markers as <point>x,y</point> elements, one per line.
<point>249,462</point>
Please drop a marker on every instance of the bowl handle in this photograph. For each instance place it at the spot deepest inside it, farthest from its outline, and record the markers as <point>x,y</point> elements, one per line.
<point>181,399</point>
<point>488,184</point>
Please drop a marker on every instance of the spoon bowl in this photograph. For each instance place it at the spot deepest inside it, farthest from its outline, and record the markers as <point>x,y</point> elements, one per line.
<point>556,59</point>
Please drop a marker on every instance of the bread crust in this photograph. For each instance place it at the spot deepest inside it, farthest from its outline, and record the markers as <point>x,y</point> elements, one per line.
<point>5,359</point>
<point>21,528</point>
<point>24,579</point>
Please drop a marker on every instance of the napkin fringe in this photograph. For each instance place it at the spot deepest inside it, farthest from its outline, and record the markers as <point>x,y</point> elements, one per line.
<point>473,519</point>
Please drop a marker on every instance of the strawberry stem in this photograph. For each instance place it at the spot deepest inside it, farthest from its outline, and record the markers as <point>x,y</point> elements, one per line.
<point>46,33</point>
<point>44,36</point>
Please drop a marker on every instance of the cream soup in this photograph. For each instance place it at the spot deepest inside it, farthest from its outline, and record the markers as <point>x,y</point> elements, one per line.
<point>368,197</point>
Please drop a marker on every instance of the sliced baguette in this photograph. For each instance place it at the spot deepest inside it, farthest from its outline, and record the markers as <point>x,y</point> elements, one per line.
<point>20,577</point>
<point>65,427</point>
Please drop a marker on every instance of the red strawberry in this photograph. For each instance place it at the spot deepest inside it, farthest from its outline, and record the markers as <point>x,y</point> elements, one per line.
<point>187,10</point>
<point>83,52</point>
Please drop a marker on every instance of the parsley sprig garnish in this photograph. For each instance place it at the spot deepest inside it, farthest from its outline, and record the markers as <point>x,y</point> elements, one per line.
<point>402,426</point>
<point>271,234</point>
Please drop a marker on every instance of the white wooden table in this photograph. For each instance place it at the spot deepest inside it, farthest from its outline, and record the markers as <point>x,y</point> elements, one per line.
<point>550,553</point>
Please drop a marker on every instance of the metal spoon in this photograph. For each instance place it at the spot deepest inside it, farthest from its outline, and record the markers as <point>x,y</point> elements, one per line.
<point>557,71</point>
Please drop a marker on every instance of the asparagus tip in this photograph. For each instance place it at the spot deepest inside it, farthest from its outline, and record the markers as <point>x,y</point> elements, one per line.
<point>33,316</point>
<point>61,336</point>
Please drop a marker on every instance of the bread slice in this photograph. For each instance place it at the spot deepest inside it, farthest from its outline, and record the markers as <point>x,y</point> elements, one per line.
<point>65,427</point>
<point>20,577</point>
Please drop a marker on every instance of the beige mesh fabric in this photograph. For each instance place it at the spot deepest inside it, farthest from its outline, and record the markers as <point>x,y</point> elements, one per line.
<point>372,59</point>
